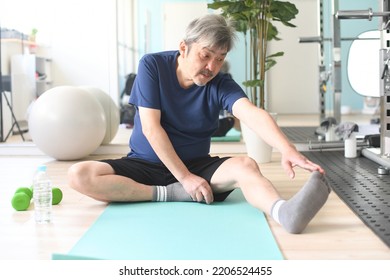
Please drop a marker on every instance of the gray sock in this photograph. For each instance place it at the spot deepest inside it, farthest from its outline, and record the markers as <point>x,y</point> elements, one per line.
<point>295,213</point>
<point>172,192</point>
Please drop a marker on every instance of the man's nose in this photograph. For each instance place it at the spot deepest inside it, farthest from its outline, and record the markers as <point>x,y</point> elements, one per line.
<point>212,65</point>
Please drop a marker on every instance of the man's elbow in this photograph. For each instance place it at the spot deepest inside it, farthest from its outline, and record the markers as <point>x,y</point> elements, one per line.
<point>150,132</point>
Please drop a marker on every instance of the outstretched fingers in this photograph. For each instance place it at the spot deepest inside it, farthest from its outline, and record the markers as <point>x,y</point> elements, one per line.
<point>302,162</point>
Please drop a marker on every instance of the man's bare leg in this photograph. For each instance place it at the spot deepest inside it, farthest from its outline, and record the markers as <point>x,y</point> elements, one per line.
<point>293,214</point>
<point>244,173</point>
<point>99,181</point>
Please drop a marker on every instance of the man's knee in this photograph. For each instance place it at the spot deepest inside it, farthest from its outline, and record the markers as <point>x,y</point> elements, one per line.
<point>79,176</point>
<point>248,164</point>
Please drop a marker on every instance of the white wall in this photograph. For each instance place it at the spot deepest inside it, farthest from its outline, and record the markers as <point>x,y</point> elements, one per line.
<point>177,16</point>
<point>79,36</point>
<point>83,44</point>
<point>293,83</point>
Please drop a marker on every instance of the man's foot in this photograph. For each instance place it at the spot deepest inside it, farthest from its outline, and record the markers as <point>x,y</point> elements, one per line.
<point>295,213</point>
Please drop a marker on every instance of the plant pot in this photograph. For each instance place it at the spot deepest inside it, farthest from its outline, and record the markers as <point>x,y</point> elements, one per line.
<point>256,147</point>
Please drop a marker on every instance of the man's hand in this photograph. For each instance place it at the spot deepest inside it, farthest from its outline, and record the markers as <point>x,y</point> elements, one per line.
<point>292,158</point>
<point>198,188</point>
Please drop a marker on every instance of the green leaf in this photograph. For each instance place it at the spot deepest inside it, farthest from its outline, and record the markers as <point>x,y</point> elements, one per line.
<point>253,83</point>
<point>276,54</point>
<point>269,64</point>
<point>219,4</point>
<point>250,15</point>
<point>283,11</point>
<point>272,32</point>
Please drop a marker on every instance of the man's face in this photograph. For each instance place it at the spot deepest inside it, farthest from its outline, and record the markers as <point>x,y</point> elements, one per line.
<point>202,63</point>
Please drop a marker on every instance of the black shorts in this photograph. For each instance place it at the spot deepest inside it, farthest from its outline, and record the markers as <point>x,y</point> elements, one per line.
<point>151,173</point>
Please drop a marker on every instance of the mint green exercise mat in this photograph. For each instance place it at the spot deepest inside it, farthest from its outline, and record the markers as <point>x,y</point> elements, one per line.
<point>229,230</point>
<point>233,135</point>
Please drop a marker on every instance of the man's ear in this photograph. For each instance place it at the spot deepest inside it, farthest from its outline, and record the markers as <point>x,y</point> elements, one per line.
<point>182,48</point>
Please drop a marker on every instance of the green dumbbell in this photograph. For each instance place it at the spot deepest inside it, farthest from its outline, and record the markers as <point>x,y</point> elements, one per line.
<point>25,190</point>
<point>57,196</point>
<point>21,199</point>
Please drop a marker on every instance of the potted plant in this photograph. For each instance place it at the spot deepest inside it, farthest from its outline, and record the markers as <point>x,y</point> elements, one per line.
<point>254,18</point>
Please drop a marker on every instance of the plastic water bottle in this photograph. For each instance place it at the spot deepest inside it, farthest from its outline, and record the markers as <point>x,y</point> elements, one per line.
<point>42,196</point>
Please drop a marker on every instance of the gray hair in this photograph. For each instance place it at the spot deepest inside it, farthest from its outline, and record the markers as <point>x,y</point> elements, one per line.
<point>214,30</point>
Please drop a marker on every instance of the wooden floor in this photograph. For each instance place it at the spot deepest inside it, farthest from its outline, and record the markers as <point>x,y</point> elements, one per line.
<point>334,234</point>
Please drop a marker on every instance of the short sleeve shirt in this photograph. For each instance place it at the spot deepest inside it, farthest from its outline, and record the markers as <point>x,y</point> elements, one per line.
<point>189,116</point>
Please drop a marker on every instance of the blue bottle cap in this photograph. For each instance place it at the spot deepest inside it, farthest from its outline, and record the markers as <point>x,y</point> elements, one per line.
<point>42,168</point>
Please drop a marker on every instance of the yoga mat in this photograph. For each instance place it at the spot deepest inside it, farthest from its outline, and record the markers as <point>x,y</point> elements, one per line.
<point>229,230</point>
<point>233,135</point>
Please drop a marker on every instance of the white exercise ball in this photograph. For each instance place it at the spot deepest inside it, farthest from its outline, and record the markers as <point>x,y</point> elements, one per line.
<point>110,109</point>
<point>67,123</point>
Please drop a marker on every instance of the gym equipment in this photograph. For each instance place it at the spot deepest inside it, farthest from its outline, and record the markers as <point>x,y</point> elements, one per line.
<point>318,133</point>
<point>357,182</point>
<point>27,191</point>
<point>111,112</point>
<point>363,64</point>
<point>20,201</point>
<point>361,14</point>
<point>362,182</point>
<point>22,198</point>
<point>336,40</point>
<point>161,231</point>
<point>383,156</point>
<point>363,68</point>
<point>57,196</point>
<point>233,135</point>
<point>67,123</point>
<point>325,75</point>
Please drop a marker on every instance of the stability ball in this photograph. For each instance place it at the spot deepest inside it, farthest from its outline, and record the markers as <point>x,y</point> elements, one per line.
<point>111,112</point>
<point>67,123</point>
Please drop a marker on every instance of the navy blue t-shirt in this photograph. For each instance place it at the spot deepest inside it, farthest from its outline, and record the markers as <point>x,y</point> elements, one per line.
<point>189,116</point>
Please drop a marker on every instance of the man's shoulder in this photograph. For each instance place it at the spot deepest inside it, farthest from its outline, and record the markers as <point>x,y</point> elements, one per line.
<point>160,55</point>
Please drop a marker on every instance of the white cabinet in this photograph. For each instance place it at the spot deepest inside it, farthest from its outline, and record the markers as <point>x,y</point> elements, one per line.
<point>43,74</point>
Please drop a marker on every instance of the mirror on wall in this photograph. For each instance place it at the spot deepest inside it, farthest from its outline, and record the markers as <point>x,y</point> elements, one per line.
<point>75,43</point>
<point>363,64</point>
<point>127,42</point>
